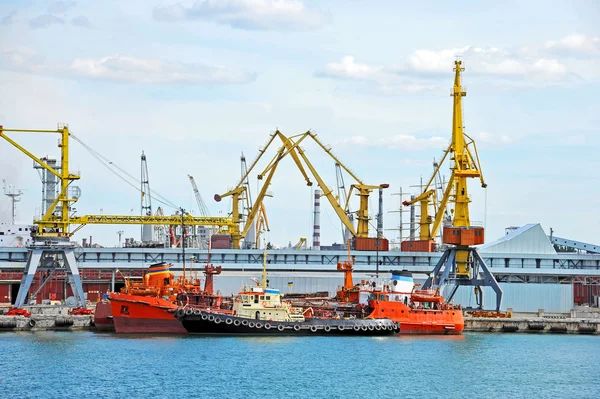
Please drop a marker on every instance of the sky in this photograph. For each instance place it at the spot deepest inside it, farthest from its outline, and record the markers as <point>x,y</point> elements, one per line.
<point>194,84</point>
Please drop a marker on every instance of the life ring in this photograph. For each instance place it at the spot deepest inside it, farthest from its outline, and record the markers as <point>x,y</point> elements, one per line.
<point>280,327</point>
<point>180,312</point>
<point>31,323</point>
<point>264,304</point>
<point>244,322</point>
<point>197,312</point>
<point>211,318</point>
<point>189,312</point>
<point>378,327</point>
<point>363,327</point>
<point>341,328</point>
<point>251,324</point>
<point>268,326</point>
<point>296,327</point>
<point>218,320</point>
<point>371,327</point>
<point>390,327</point>
<point>313,328</point>
<point>327,328</point>
<point>228,321</point>
<point>204,316</point>
<point>356,327</point>
<point>237,323</point>
<point>259,324</point>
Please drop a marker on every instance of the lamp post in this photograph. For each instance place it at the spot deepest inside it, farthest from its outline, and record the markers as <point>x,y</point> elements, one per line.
<point>120,233</point>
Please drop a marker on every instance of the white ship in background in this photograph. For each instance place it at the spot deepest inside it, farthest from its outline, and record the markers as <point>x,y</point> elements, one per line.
<point>15,235</point>
<point>11,233</point>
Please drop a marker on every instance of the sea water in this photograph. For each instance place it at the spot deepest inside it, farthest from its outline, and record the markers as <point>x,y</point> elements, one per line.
<point>93,365</point>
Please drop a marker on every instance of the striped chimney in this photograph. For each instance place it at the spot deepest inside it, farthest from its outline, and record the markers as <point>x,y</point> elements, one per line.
<point>317,221</point>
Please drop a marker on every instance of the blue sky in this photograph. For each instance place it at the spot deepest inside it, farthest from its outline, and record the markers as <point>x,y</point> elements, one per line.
<point>195,83</point>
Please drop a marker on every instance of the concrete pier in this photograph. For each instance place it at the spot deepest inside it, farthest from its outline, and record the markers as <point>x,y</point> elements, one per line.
<point>535,325</point>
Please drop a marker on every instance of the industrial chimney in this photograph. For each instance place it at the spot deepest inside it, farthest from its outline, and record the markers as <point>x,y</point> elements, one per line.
<point>317,221</point>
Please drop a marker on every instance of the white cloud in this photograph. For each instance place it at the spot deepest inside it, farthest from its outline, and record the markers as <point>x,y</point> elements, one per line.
<point>45,20</point>
<point>399,141</point>
<point>423,69</point>
<point>575,44</point>
<point>388,81</point>
<point>348,68</point>
<point>281,15</point>
<point>81,21</point>
<point>126,69</point>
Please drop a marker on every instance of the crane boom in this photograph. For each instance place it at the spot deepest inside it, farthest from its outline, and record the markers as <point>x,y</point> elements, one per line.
<point>202,208</point>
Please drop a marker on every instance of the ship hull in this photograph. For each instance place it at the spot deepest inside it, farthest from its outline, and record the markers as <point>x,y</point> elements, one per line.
<point>134,314</point>
<point>222,324</point>
<point>420,321</point>
<point>103,319</point>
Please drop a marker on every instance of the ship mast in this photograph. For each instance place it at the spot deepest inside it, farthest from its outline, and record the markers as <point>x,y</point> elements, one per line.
<point>264,271</point>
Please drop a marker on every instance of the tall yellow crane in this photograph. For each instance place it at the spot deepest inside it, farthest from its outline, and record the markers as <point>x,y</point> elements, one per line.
<point>54,227</point>
<point>461,262</point>
<point>239,191</point>
<point>291,146</point>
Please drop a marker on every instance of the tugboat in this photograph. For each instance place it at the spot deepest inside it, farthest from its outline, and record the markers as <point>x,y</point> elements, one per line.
<point>260,310</point>
<point>399,299</point>
<point>417,311</point>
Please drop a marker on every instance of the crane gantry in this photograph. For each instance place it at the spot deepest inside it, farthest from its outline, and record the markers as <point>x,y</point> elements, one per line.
<point>461,263</point>
<point>54,227</point>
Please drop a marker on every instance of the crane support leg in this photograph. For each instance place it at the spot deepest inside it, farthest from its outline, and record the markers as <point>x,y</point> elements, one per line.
<point>490,280</point>
<point>62,251</point>
<point>480,275</point>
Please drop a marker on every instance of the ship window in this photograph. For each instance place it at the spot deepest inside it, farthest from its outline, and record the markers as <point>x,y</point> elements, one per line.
<point>268,297</point>
<point>372,296</point>
<point>381,297</point>
<point>20,229</point>
<point>1,233</point>
<point>262,297</point>
<point>244,297</point>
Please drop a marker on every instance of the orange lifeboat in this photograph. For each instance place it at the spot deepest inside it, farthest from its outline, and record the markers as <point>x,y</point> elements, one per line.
<point>430,296</point>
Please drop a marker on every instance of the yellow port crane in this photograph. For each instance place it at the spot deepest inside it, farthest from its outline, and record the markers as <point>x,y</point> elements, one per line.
<point>57,220</point>
<point>53,228</point>
<point>291,146</point>
<point>461,262</point>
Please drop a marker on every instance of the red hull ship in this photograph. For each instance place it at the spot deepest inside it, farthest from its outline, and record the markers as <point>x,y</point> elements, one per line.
<point>135,314</point>
<point>417,311</point>
<point>148,307</point>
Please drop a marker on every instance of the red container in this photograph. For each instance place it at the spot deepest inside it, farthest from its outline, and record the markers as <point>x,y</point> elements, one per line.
<point>417,246</point>
<point>463,235</point>
<point>370,244</point>
<point>221,241</point>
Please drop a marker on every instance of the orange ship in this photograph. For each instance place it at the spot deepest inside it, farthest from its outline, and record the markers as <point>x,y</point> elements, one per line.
<point>148,307</point>
<point>144,307</point>
<point>417,311</point>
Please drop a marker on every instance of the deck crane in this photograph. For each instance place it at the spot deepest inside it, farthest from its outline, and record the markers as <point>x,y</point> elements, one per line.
<point>52,248</point>
<point>460,263</point>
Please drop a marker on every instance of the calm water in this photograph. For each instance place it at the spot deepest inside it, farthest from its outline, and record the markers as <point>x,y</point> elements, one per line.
<point>89,365</point>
